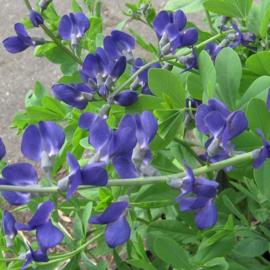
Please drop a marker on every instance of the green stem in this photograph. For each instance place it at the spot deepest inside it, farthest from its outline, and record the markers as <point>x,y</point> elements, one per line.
<point>212,30</point>
<point>140,181</point>
<point>56,41</point>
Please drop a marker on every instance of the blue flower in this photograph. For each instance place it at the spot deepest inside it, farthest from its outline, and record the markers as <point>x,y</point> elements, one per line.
<point>36,256</point>
<point>119,44</point>
<point>9,228</point>
<point>19,43</point>
<point>189,61</point>
<point>264,152</point>
<point>142,78</point>
<point>91,174</point>
<point>73,95</point>
<point>206,214</point>
<point>35,18</point>
<point>216,120</point>
<point>241,38</point>
<point>2,149</point>
<point>47,234</point>
<point>118,230</point>
<point>73,27</point>
<point>169,28</point>
<point>19,174</point>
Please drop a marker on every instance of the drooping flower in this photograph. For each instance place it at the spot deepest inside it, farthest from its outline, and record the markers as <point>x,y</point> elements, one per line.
<point>91,174</point>
<point>241,38</point>
<point>169,28</point>
<point>9,229</point>
<point>118,230</point>
<point>109,144</point>
<point>73,27</point>
<point>19,43</point>
<point>47,234</point>
<point>33,256</point>
<point>125,98</point>
<point>215,49</point>
<point>2,149</point>
<point>216,120</point>
<point>189,61</point>
<point>74,95</point>
<point>142,78</point>
<point>120,44</point>
<point>206,211</point>
<point>19,174</point>
<point>264,152</point>
<point>35,18</point>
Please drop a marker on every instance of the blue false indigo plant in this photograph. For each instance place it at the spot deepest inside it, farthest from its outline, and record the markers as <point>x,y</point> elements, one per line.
<point>122,136</point>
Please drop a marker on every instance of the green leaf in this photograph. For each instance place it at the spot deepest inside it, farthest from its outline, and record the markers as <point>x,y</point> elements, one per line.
<point>251,247</point>
<point>169,127</point>
<point>38,113</point>
<point>230,8</point>
<point>78,228</point>
<point>232,207</point>
<point>153,204</point>
<point>86,215</point>
<point>258,116</point>
<point>218,249</point>
<point>75,6</point>
<point>163,81</point>
<point>141,264</point>
<point>171,252</point>
<point>207,75</point>
<point>259,89</point>
<point>72,265</point>
<point>265,23</point>
<point>121,265</point>
<point>187,6</point>
<point>54,105</point>
<point>259,63</point>
<point>262,177</point>
<point>216,264</point>
<point>145,102</point>
<point>95,28</point>
<point>162,163</point>
<point>194,86</point>
<point>254,19</point>
<point>229,72</point>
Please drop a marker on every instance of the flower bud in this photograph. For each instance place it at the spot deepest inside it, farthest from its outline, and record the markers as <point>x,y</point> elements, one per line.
<point>136,84</point>
<point>143,8</point>
<point>224,20</point>
<point>35,18</point>
<point>175,183</point>
<point>105,110</point>
<point>75,42</point>
<point>166,49</point>
<point>138,155</point>
<point>63,184</point>
<point>123,198</point>
<point>47,162</point>
<point>38,40</point>
<point>164,40</point>
<point>231,36</point>
<point>214,148</point>
<point>92,84</point>
<point>224,43</point>
<point>256,153</point>
<point>149,170</point>
<point>9,229</point>
<point>88,96</point>
<point>129,57</point>
<point>168,67</point>
<point>183,59</point>
<point>43,4</point>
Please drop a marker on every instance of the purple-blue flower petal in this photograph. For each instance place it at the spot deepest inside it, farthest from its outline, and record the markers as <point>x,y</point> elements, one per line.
<point>35,18</point>
<point>65,28</point>
<point>215,123</point>
<point>124,167</point>
<point>111,48</point>
<point>31,145</point>
<point>22,34</point>
<point>206,216</point>
<point>96,176</point>
<point>160,22</point>
<point>119,68</point>
<point>99,135</point>
<point>261,159</point>
<point>180,19</point>
<point>20,174</point>
<point>117,233</point>
<point>126,98</point>
<point>42,214</point>
<point>2,149</point>
<point>14,45</point>
<point>9,224</point>
<point>88,119</point>
<point>48,236</point>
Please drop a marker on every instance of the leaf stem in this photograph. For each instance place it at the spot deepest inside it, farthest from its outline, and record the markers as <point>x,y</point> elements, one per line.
<point>212,30</point>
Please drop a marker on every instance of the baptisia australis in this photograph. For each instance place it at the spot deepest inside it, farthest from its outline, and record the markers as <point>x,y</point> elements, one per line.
<point>205,190</point>
<point>73,27</point>
<point>217,121</point>
<point>169,28</point>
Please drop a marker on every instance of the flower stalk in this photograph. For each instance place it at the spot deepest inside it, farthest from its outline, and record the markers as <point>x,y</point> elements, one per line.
<point>139,181</point>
